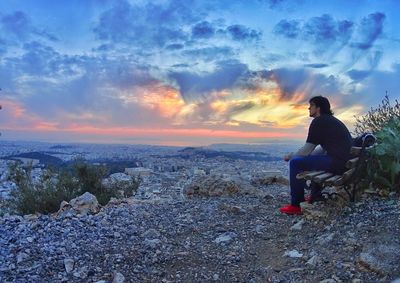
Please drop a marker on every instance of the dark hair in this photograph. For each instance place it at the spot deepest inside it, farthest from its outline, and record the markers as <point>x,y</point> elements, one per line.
<point>322,103</point>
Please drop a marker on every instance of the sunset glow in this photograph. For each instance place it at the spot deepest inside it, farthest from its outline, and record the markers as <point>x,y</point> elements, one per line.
<point>185,73</point>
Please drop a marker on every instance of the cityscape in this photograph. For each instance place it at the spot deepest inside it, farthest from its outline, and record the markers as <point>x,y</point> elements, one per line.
<point>164,170</point>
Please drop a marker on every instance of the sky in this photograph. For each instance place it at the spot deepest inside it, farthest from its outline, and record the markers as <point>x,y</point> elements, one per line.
<point>178,72</point>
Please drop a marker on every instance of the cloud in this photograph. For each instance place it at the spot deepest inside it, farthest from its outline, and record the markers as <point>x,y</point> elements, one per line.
<point>373,61</point>
<point>17,27</point>
<point>81,89</point>
<point>275,3</point>
<point>282,4</point>
<point>203,30</point>
<point>242,33</point>
<point>141,26</point>
<point>300,84</point>
<point>358,75</point>
<point>175,46</point>
<point>197,87</point>
<point>288,29</point>
<point>377,83</point>
<point>316,65</point>
<point>330,35</point>
<point>324,33</point>
<point>209,54</point>
<point>16,24</point>
<point>325,29</point>
<point>3,47</point>
<point>369,30</point>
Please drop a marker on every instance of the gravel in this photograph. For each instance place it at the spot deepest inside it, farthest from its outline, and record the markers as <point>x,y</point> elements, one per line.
<point>241,238</point>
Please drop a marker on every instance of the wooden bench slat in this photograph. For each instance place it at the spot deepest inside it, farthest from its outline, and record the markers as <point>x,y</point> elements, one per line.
<point>356,150</point>
<point>321,178</point>
<point>352,162</point>
<point>346,176</point>
<point>308,174</point>
<point>330,181</point>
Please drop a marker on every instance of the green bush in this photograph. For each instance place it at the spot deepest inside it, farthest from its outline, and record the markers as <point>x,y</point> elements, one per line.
<point>384,168</point>
<point>46,195</point>
<point>377,118</point>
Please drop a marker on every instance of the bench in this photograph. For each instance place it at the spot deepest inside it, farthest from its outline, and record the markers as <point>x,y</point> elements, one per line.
<point>350,178</point>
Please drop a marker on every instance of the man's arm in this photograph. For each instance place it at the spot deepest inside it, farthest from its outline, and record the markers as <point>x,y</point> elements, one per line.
<point>318,151</point>
<point>303,151</point>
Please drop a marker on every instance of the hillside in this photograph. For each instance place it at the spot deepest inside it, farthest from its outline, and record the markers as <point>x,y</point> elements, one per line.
<point>239,238</point>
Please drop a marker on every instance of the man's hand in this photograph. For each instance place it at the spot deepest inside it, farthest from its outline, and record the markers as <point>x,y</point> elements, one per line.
<point>286,157</point>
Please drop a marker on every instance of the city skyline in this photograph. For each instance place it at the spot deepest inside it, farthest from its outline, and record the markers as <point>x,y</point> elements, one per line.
<point>190,73</point>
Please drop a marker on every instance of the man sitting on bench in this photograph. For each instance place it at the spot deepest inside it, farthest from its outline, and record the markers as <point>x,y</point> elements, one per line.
<point>333,137</point>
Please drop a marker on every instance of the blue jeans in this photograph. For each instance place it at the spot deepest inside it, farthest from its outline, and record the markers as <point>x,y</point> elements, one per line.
<point>304,163</point>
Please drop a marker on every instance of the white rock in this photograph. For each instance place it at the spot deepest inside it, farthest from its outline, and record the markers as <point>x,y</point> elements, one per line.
<point>69,264</point>
<point>260,229</point>
<point>313,261</point>
<point>325,239</point>
<point>225,238</point>
<point>298,226</point>
<point>84,204</point>
<point>293,254</point>
<point>118,278</point>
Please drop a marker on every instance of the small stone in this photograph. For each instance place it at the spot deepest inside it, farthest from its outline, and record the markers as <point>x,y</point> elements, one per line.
<point>21,257</point>
<point>225,237</point>
<point>118,278</point>
<point>69,264</point>
<point>153,243</point>
<point>259,229</point>
<point>293,254</point>
<point>298,226</point>
<point>325,239</point>
<point>151,234</point>
<point>313,261</point>
<point>215,277</point>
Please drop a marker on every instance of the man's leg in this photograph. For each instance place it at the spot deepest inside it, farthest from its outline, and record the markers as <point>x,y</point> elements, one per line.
<point>300,164</point>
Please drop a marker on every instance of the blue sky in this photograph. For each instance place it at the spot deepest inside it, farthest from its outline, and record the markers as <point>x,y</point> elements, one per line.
<point>190,72</point>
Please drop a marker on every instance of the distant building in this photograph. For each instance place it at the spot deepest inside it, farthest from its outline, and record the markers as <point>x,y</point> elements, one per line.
<point>199,172</point>
<point>27,161</point>
<point>138,171</point>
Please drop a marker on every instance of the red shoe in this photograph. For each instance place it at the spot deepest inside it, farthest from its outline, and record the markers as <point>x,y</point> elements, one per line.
<point>291,209</point>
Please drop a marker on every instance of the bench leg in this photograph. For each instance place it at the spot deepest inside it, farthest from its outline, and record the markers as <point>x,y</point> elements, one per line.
<point>351,192</point>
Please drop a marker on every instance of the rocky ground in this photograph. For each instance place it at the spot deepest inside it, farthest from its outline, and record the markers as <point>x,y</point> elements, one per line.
<point>238,238</point>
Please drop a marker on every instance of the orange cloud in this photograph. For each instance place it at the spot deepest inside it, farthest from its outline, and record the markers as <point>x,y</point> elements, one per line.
<point>257,107</point>
<point>13,109</point>
<point>164,100</point>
